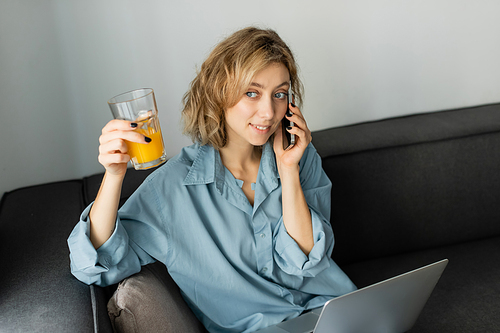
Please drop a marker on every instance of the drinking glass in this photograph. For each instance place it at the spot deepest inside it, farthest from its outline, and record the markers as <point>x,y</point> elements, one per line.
<point>139,106</point>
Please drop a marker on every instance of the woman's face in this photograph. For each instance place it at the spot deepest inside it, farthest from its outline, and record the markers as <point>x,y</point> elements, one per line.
<point>260,110</point>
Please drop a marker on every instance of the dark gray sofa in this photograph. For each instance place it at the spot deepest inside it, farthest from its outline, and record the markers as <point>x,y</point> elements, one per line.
<point>406,192</point>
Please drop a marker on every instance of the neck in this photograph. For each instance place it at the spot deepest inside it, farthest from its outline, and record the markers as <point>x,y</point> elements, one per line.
<point>240,157</point>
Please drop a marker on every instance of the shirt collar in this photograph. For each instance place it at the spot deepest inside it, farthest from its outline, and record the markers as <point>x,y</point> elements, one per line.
<point>268,166</point>
<point>207,167</point>
<point>203,168</point>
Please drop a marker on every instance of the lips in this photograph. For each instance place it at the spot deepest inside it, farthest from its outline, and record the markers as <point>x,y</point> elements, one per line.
<point>259,127</point>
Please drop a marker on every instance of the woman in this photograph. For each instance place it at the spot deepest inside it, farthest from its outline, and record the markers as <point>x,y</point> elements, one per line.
<point>241,223</point>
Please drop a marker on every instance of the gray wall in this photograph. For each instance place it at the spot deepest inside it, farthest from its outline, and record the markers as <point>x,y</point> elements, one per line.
<point>61,60</point>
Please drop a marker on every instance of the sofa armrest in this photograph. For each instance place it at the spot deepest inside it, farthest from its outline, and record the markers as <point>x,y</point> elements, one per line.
<point>37,291</point>
<point>99,297</point>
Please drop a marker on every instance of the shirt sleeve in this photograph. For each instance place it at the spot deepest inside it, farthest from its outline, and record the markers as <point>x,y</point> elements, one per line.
<point>120,256</point>
<point>317,191</point>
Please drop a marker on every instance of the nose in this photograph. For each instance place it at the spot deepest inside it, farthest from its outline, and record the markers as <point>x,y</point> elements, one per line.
<point>267,109</point>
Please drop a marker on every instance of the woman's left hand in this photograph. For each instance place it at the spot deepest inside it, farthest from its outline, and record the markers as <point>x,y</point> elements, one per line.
<point>288,159</point>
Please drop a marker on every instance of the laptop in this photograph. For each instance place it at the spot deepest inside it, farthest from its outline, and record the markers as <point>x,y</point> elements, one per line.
<point>390,306</point>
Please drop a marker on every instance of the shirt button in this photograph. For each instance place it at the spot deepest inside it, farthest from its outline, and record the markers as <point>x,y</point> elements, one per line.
<point>262,235</point>
<point>264,269</point>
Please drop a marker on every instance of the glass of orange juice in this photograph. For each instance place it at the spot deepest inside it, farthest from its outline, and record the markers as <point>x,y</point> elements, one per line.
<point>139,106</point>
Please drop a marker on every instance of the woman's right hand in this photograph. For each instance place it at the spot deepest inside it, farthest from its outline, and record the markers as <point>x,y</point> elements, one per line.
<point>113,150</point>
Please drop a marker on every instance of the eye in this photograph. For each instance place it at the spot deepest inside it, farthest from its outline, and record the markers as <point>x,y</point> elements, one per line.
<point>280,95</point>
<point>251,94</point>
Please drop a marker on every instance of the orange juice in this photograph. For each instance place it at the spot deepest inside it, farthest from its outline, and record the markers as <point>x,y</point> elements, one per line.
<point>146,152</point>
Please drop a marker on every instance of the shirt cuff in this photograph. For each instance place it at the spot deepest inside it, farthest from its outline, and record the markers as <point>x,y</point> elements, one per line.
<point>290,257</point>
<point>87,263</point>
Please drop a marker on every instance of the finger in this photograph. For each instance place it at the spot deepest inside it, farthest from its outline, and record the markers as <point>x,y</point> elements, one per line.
<point>302,135</point>
<point>110,159</point>
<point>114,147</point>
<point>131,136</point>
<point>119,125</point>
<point>295,109</point>
<point>294,114</point>
<point>298,121</point>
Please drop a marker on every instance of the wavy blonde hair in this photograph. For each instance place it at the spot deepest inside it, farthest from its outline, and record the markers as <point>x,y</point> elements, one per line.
<point>226,75</point>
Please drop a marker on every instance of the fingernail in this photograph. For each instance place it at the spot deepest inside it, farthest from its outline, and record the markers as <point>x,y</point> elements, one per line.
<point>133,125</point>
<point>147,139</point>
<point>289,127</point>
<point>289,113</point>
<point>292,104</point>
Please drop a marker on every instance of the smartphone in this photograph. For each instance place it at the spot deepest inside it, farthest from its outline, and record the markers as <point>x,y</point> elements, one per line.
<point>288,138</point>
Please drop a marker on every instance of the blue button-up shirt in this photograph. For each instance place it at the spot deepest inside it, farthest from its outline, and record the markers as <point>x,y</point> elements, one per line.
<point>236,266</point>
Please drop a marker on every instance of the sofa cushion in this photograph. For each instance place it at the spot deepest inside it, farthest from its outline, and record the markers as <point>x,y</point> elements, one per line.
<point>466,298</point>
<point>150,301</point>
